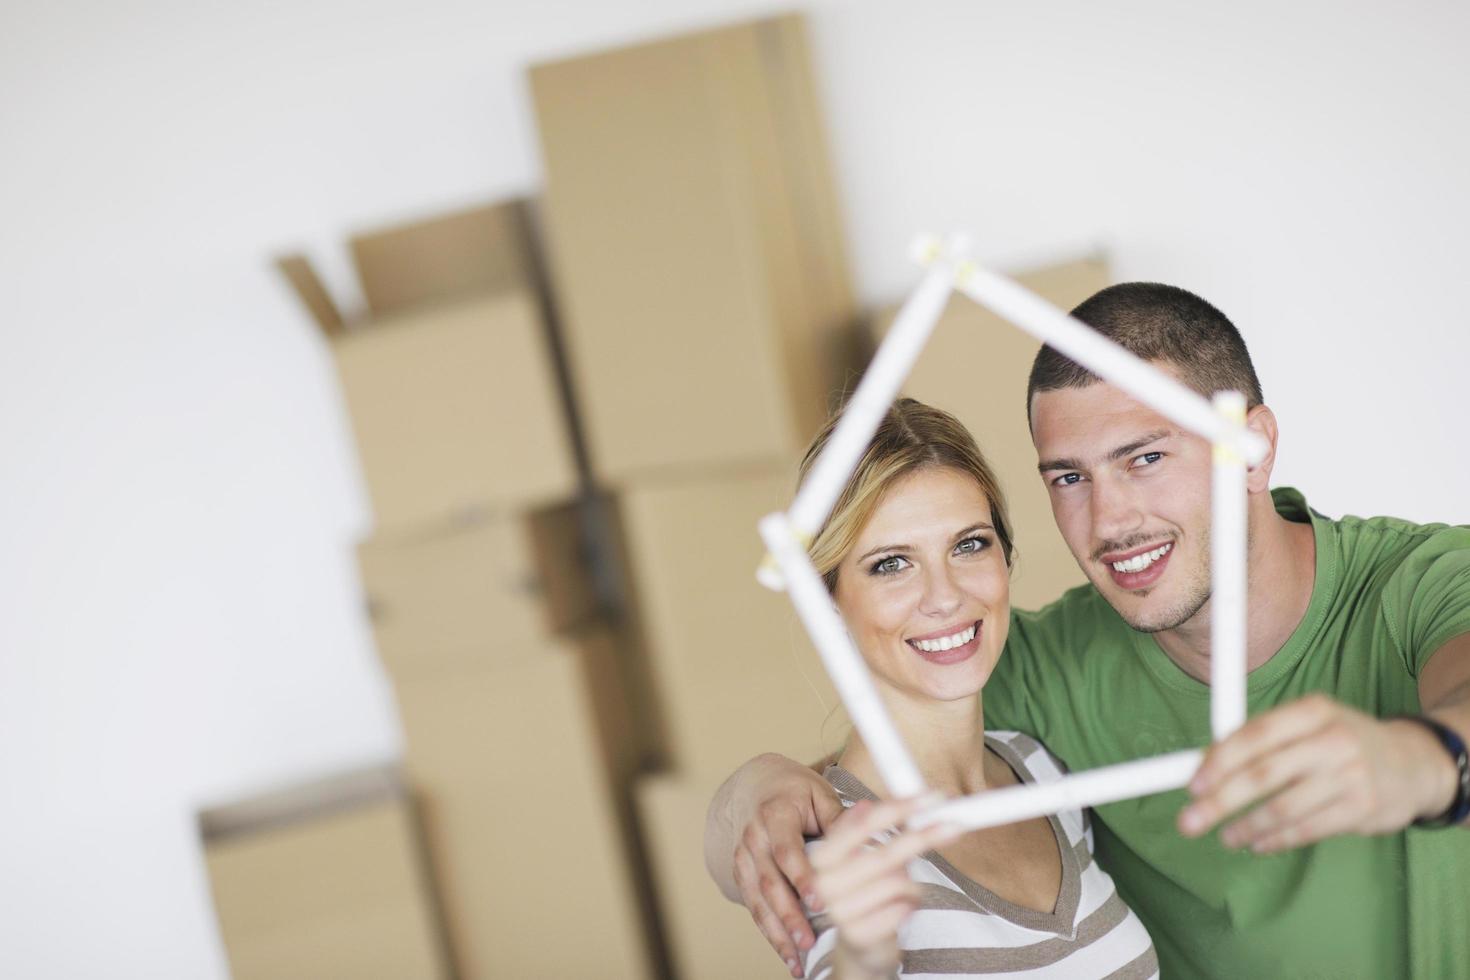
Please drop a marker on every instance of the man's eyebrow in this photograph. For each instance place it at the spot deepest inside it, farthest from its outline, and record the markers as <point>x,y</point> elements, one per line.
<point>1137,444</point>
<point>903,549</point>
<point>1060,463</point>
<point>1073,463</point>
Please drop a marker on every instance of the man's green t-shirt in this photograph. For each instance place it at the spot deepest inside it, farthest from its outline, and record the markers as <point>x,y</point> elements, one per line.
<point>1387,594</point>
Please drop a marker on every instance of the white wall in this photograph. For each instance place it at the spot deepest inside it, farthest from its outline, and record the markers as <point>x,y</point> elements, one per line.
<point>178,496</point>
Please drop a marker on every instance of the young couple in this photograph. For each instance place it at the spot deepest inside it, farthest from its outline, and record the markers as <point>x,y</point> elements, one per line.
<point>1359,694</point>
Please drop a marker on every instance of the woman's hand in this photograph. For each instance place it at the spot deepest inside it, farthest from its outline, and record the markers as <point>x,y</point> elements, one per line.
<point>865,887</point>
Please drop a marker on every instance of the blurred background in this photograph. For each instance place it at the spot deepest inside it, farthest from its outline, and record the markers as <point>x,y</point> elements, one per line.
<point>388,393</point>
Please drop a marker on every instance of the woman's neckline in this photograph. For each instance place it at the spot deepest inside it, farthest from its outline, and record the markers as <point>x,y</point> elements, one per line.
<point>1062,920</point>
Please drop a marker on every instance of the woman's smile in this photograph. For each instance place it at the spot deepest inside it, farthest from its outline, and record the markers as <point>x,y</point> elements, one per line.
<point>950,646</point>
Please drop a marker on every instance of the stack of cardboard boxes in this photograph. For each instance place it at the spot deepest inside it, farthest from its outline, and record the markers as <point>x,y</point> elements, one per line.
<point>510,684</point>
<point>708,321</point>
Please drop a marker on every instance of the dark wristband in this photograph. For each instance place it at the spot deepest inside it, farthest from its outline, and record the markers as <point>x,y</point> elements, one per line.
<point>1459,807</point>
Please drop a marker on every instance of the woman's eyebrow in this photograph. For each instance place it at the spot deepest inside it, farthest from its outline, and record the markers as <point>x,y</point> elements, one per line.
<point>902,549</point>
<point>897,549</point>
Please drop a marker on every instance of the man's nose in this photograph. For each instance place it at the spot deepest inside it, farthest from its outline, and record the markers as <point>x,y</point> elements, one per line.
<point>1115,510</point>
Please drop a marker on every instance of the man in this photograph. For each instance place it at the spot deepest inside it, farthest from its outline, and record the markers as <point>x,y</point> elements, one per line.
<point>1359,690</point>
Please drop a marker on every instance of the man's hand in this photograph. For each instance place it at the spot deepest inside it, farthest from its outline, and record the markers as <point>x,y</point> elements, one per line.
<point>762,816</point>
<point>1317,768</point>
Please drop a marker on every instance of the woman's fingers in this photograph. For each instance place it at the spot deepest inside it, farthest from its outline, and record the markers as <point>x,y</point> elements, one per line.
<point>855,829</point>
<point>854,904</point>
<point>877,861</point>
<point>874,936</point>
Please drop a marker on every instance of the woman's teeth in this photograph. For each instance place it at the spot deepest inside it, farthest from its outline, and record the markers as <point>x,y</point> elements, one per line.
<point>947,642</point>
<point>1139,562</point>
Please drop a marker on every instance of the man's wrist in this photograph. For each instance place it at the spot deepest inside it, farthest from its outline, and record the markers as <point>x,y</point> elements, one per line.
<point>1440,751</point>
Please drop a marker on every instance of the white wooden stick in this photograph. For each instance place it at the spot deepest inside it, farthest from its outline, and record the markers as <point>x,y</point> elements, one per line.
<point>1106,359</point>
<point>1228,577</point>
<point>865,409</point>
<point>840,656</point>
<point>1106,784</point>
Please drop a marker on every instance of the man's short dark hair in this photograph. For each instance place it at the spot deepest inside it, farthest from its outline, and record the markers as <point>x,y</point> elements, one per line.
<point>1157,323</point>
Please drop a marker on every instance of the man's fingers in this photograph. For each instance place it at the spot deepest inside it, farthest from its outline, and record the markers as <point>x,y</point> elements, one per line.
<point>826,808</point>
<point>775,845</point>
<point>1262,734</point>
<point>766,920</point>
<point>786,906</point>
<point>1261,778</point>
<point>1328,821</point>
<point>797,868</point>
<point>1279,816</point>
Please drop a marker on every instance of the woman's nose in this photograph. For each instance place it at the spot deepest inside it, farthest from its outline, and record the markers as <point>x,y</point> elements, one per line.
<point>942,594</point>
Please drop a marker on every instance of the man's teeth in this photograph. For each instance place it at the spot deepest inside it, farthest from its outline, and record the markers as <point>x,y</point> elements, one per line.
<point>947,642</point>
<point>1139,562</point>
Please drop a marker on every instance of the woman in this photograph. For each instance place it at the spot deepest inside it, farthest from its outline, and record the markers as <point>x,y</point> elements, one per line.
<point>917,555</point>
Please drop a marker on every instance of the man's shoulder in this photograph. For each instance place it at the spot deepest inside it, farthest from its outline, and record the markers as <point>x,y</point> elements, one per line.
<point>1377,548</point>
<point>1377,538</point>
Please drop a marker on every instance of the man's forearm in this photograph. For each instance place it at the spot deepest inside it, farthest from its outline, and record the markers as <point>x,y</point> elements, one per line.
<point>719,836</point>
<point>763,780</point>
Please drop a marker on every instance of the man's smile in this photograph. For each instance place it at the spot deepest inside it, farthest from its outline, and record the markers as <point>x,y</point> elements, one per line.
<point>1139,568</point>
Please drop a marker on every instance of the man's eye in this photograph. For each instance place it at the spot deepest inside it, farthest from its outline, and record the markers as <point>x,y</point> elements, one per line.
<point>889,565</point>
<point>1147,459</point>
<point>971,546</point>
<point>1067,480</point>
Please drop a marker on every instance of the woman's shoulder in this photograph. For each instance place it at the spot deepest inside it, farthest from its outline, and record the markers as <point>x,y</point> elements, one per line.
<point>1033,763</point>
<point>1025,754</point>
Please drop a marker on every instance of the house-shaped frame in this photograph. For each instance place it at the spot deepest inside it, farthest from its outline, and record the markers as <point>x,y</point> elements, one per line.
<point>787,534</point>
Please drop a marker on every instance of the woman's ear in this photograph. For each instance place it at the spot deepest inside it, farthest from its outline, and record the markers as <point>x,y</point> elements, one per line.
<point>1262,421</point>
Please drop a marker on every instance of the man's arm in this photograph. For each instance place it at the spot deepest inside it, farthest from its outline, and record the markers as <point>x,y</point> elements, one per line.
<point>1319,768</point>
<point>754,846</point>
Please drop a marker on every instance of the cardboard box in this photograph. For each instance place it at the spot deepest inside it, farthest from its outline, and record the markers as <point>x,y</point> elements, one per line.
<point>695,248</point>
<point>462,254</point>
<point>452,384</point>
<point>975,366</point>
<point>323,881</point>
<point>492,587</point>
<point>735,672</point>
<point>518,766</point>
<point>709,938</point>
<point>456,412</point>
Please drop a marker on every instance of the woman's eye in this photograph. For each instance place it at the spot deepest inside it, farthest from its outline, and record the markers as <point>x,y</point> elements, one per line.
<point>971,546</point>
<point>889,565</point>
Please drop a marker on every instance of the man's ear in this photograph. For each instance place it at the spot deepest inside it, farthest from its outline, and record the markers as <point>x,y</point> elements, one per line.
<point>1262,421</point>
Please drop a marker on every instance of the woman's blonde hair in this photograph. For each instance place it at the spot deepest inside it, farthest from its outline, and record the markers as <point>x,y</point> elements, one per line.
<point>911,437</point>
